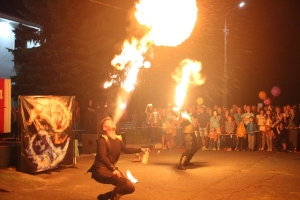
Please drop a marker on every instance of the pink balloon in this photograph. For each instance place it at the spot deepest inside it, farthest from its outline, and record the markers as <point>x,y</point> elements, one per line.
<point>267,101</point>
<point>275,91</point>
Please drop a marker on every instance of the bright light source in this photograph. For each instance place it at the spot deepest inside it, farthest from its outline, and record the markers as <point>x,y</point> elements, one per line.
<point>5,29</point>
<point>241,4</point>
<point>123,106</point>
<point>147,64</point>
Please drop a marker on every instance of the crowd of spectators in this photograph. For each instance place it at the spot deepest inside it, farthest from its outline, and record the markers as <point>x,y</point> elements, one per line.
<point>240,128</point>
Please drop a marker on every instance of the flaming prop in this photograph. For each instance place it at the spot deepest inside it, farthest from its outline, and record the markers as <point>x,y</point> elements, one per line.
<point>166,23</point>
<point>130,177</point>
<point>189,74</point>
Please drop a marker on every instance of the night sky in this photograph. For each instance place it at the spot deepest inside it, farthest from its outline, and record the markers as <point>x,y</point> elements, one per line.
<point>263,50</point>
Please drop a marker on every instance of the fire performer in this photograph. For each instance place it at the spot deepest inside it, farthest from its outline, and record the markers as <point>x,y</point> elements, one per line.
<point>190,141</point>
<point>109,146</point>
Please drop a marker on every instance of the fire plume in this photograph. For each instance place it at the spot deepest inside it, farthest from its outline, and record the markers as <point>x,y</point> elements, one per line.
<point>189,74</point>
<point>167,23</point>
<point>170,22</point>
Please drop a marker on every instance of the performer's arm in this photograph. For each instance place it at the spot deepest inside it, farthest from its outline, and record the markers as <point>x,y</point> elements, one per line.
<point>129,150</point>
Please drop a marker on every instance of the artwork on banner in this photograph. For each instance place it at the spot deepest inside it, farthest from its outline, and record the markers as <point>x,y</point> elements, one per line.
<point>47,135</point>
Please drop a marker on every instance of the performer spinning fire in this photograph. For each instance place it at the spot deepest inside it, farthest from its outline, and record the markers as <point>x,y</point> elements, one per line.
<point>190,140</point>
<point>104,170</point>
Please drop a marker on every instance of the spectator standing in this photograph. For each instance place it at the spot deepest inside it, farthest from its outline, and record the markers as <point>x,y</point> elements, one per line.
<point>278,117</point>
<point>268,131</point>
<point>164,121</point>
<point>213,139</point>
<point>251,130</point>
<point>283,136</point>
<point>168,138</point>
<point>246,118</point>
<point>90,119</point>
<point>241,137</point>
<point>215,125</point>
<point>229,131</point>
<point>203,124</point>
<point>148,112</point>
<point>238,116</point>
<point>261,137</point>
<point>293,130</point>
<point>77,115</point>
<point>155,123</point>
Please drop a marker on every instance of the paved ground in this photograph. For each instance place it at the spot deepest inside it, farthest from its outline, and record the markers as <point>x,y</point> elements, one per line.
<point>215,175</point>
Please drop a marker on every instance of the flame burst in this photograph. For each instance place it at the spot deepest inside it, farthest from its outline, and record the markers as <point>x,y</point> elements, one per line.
<point>131,178</point>
<point>167,22</point>
<point>170,22</point>
<point>189,74</point>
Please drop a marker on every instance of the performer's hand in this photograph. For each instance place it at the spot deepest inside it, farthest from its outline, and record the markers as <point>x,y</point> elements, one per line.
<point>117,173</point>
<point>145,149</point>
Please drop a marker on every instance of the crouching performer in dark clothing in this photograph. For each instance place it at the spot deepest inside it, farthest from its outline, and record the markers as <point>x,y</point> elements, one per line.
<point>190,141</point>
<point>109,146</point>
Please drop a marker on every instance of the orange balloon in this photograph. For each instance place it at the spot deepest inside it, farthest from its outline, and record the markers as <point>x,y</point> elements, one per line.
<point>200,101</point>
<point>262,95</point>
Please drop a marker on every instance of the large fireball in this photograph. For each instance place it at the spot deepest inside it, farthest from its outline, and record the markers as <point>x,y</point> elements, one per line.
<point>170,22</point>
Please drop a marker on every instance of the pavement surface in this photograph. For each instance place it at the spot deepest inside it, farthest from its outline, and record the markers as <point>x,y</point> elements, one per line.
<point>214,175</point>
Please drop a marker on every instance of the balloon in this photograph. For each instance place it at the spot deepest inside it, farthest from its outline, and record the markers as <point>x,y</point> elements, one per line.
<point>262,95</point>
<point>199,101</point>
<point>267,101</point>
<point>275,91</point>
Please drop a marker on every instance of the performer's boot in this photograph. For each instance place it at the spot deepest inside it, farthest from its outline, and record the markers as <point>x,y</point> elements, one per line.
<point>181,163</point>
<point>116,197</point>
<point>106,196</point>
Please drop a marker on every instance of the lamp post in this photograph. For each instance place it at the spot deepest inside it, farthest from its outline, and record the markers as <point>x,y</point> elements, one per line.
<point>225,77</point>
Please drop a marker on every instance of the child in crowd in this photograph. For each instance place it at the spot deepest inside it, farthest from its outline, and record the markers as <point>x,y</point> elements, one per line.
<point>251,131</point>
<point>229,131</point>
<point>170,129</point>
<point>241,136</point>
<point>213,139</point>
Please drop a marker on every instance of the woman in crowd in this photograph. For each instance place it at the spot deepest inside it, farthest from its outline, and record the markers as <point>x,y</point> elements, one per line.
<point>268,131</point>
<point>261,137</point>
<point>215,125</point>
<point>293,130</point>
<point>283,136</point>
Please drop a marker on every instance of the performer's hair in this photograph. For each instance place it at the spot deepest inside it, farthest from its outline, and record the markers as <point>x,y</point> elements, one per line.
<point>103,121</point>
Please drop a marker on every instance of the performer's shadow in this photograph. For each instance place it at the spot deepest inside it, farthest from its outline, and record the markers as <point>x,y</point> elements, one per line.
<point>195,165</point>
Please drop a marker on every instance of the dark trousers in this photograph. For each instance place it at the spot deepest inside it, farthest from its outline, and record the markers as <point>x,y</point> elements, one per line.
<point>122,185</point>
<point>228,141</point>
<point>191,147</point>
<point>258,139</point>
<point>241,143</point>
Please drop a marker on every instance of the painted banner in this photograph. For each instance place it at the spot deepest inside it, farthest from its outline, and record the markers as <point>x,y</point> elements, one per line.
<point>5,105</point>
<point>47,136</point>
